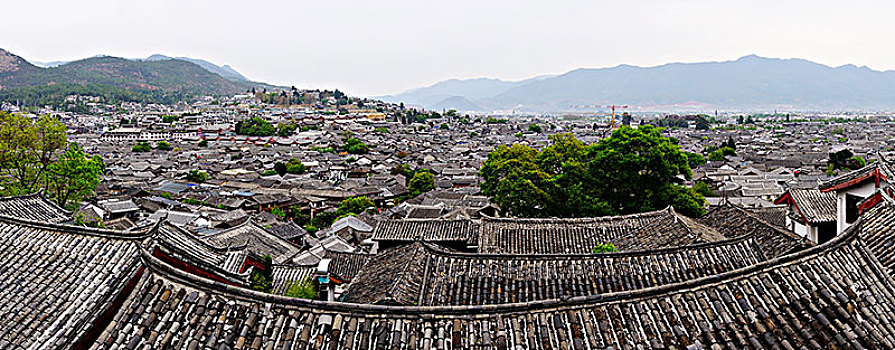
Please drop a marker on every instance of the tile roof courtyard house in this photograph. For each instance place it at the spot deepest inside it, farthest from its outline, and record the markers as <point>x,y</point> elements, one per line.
<point>755,287</point>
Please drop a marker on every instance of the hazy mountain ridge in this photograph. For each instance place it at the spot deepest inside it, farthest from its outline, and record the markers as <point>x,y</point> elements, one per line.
<point>157,73</point>
<point>750,82</point>
<point>225,71</point>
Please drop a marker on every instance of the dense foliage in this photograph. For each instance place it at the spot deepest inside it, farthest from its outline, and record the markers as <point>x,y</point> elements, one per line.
<point>844,160</point>
<point>355,146</point>
<point>197,176</point>
<point>255,126</point>
<point>74,176</point>
<point>35,155</point>
<point>303,289</point>
<point>141,147</point>
<point>261,280</point>
<point>293,166</point>
<point>355,205</point>
<point>632,171</point>
<point>421,182</point>
<point>605,248</point>
<point>54,95</point>
<point>163,146</point>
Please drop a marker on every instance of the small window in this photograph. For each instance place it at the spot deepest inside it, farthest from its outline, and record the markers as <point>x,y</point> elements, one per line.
<point>851,207</point>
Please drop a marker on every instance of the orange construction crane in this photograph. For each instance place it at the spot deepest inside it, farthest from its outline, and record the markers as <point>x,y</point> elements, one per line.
<point>613,107</point>
<point>612,126</point>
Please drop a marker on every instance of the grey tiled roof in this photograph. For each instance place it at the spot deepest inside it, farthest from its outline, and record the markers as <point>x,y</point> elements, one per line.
<point>256,239</point>
<point>33,207</point>
<point>427,230</point>
<point>886,168</point>
<point>816,206</point>
<point>831,295</point>
<point>733,221</point>
<point>557,236</point>
<point>477,279</point>
<point>57,280</point>
<point>878,232</point>
<point>284,275</point>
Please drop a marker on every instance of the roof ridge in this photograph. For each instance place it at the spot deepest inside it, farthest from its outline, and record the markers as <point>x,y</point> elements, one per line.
<point>848,237</point>
<point>90,231</point>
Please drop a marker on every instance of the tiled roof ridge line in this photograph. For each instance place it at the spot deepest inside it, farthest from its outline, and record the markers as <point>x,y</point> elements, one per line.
<point>439,219</point>
<point>608,218</point>
<point>134,273</point>
<point>205,244</point>
<point>731,241</point>
<point>847,237</point>
<point>746,212</point>
<point>40,195</point>
<point>147,231</point>
<point>889,284</point>
<point>877,165</point>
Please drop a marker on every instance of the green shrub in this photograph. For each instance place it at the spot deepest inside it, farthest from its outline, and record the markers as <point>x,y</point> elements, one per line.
<point>141,147</point>
<point>303,290</point>
<point>605,248</point>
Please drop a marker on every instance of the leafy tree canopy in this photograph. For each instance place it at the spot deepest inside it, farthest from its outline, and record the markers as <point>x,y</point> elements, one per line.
<point>303,289</point>
<point>141,147</point>
<point>197,176</point>
<point>35,155</point>
<point>355,146</point>
<point>632,171</point>
<point>255,126</point>
<point>421,182</point>
<point>354,205</point>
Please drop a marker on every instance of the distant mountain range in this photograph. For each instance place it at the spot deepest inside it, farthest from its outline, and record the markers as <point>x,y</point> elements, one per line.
<point>156,73</point>
<point>748,83</point>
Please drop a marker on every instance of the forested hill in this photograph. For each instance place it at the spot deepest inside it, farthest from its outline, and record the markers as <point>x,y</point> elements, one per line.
<point>167,75</point>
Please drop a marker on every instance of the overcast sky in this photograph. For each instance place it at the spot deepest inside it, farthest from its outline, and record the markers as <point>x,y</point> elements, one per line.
<point>373,47</point>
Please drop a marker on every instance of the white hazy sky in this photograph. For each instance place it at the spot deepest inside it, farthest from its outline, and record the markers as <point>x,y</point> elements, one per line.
<point>380,47</point>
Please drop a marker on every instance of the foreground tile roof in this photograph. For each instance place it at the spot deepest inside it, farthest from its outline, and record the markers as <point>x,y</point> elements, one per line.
<point>33,207</point>
<point>56,281</point>
<point>879,234</point>
<point>443,278</point>
<point>557,236</point>
<point>833,295</point>
<point>733,221</point>
<point>812,205</point>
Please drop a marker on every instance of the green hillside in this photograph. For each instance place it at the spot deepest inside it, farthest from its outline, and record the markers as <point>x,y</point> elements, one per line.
<point>123,79</point>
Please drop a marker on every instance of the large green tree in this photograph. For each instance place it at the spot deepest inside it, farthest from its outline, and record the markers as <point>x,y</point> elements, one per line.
<point>634,170</point>
<point>74,176</point>
<point>35,155</point>
<point>27,148</point>
<point>355,205</point>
